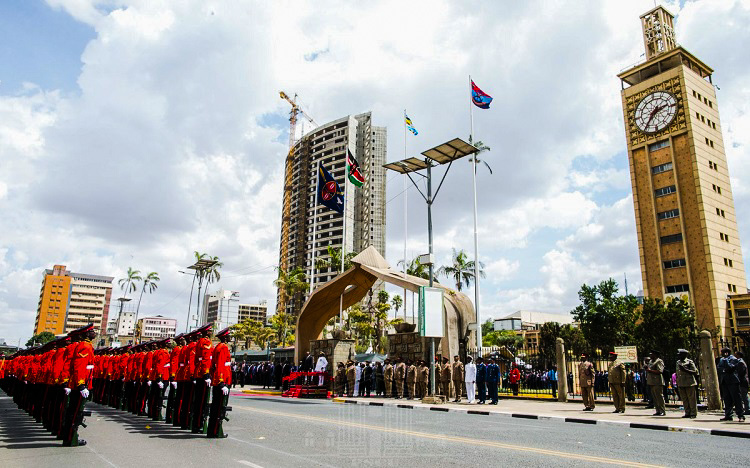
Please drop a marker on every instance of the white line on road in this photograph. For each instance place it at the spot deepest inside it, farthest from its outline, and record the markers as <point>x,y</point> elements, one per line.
<point>247,463</point>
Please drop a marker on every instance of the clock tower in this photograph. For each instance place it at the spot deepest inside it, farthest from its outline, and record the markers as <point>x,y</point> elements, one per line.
<point>688,239</point>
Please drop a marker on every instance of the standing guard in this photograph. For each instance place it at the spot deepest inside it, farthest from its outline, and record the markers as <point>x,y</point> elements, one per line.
<point>81,367</point>
<point>202,379</point>
<point>174,365</point>
<point>221,379</point>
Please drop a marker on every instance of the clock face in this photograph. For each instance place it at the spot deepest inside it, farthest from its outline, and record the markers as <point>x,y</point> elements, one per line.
<point>656,111</point>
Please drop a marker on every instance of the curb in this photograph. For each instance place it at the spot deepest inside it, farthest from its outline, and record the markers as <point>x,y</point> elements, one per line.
<point>598,422</point>
<point>261,392</point>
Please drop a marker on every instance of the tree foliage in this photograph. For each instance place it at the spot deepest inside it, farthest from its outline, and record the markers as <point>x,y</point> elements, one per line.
<point>666,327</point>
<point>548,335</point>
<point>283,325</point>
<point>333,261</point>
<point>606,319</point>
<point>507,338</point>
<point>461,271</point>
<point>40,339</point>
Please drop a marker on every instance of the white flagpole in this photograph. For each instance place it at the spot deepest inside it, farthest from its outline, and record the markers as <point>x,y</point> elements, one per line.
<point>343,238</point>
<point>315,226</point>
<point>406,218</point>
<point>476,238</point>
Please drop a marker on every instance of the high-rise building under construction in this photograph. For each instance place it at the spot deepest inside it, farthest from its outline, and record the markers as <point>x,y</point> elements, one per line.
<point>364,212</point>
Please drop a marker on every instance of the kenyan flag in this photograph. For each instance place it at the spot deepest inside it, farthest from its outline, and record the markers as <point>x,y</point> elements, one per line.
<point>352,169</point>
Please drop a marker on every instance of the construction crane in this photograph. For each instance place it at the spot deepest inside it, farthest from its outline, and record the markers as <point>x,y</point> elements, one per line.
<point>296,109</point>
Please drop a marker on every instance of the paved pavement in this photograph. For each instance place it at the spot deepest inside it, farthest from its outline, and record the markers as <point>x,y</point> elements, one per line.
<point>634,416</point>
<point>269,431</point>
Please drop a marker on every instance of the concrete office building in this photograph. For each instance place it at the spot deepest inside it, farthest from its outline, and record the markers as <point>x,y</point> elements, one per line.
<point>365,206</point>
<point>688,239</point>
<point>157,327</point>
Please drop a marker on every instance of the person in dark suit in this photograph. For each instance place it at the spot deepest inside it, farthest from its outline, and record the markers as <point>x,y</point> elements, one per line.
<point>730,385</point>
<point>481,379</point>
<point>493,378</point>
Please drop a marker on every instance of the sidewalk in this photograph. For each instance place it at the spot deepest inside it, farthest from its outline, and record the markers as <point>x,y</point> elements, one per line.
<point>636,417</point>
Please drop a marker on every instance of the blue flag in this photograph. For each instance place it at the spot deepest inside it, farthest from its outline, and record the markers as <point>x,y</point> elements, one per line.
<point>479,97</point>
<point>329,192</point>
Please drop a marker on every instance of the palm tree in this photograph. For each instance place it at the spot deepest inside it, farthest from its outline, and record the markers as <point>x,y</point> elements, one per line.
<point>481,147</point>
<point>414,268</point>
<point>291,282</point>
<point>209,275</point>
<point>396,302</point>
<point>462,270</point>
<point>149,284</point>
<point>263,336</point>
<point>128,284</point>
<point>333,261</point>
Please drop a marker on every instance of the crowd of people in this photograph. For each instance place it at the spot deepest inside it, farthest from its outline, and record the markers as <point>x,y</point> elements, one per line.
<point>54,382</point>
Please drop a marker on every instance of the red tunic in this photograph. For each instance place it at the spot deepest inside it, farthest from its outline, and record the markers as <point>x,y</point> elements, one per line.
<point>221,365</point>
<point>82,364</point>
<point>202,358</point>
<point>67,357</point>
<point>174,362</point>
<point>161,365</point>
<point>189,357</point>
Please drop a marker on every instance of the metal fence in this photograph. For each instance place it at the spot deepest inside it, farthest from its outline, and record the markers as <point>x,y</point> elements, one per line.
<point>535,380</point>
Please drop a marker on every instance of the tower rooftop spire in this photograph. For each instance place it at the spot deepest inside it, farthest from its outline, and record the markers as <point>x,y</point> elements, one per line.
<point>658,31</point>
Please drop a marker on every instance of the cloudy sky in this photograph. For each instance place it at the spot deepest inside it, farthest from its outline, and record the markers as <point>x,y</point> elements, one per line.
<point>135,132</point>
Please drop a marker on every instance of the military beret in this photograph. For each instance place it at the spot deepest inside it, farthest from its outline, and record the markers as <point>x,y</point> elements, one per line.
<point>82,330</point>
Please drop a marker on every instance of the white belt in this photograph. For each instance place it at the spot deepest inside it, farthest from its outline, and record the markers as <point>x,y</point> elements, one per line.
<point>89,367</point>
<point>167,365</point>
<point>200,358</point>
<point>182,365</point>
<point>227,363</point>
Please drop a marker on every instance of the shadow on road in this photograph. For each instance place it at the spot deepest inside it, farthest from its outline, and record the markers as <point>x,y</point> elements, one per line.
<point>18,430</point>
<point>138,424</point>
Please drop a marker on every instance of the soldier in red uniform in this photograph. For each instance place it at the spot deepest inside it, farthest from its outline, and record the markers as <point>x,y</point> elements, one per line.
<point>202,379</point>
<point>187,360</point>
<point>221,379</point>
<point>81,367</point>
<point>174,366</point>
<point>159,379</point>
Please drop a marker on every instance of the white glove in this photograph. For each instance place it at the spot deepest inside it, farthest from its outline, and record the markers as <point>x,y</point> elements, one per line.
<point>208,382</point>
<point>225,390</point>
<point>160,384</point>
<point>148,383</point>
<point>85,393</point>
<point>174,384</point>
<point>67,391</point>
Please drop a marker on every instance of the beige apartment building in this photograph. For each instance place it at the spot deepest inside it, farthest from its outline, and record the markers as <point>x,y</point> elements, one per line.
<point>688,239</point>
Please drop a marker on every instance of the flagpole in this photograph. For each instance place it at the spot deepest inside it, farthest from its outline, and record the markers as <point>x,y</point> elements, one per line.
<point>406,219</point>
<point>343,239</point>
<point>315,225</point>
<point>476,239</point>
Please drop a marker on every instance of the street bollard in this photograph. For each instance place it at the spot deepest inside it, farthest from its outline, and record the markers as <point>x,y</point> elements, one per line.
<point>562,371</point>
<point>710,377</point>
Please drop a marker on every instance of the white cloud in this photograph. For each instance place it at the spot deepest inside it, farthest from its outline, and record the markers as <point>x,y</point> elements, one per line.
<point>167,149</point>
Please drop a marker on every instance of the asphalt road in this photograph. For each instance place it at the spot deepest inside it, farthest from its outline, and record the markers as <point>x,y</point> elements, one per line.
<point>269,432</point>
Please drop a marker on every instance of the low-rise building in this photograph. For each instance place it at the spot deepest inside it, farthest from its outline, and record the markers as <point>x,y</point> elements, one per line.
<point>157,327</point>
<point>527,323</point>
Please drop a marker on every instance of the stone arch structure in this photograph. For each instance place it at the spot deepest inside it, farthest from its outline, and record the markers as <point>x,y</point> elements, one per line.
<point>368,267</point>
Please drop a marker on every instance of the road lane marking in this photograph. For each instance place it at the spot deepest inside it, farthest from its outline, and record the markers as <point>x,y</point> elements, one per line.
<point>458,439</point>
<point>247,463</point>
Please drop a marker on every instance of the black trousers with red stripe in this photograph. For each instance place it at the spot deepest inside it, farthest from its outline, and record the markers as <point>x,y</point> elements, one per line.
<point>73,419</point>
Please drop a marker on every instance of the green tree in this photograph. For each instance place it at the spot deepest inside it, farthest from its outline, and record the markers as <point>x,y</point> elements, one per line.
<point>245,331</point>
<point>333,261</point>
<point>291,283</point>
<point>283,325</point>
<point>40,339</point>
<point>488,327</point>
<point>574,339</point>
<point>666,327</point>
<point>264,336</point>
<point>606,319</point>
<point>414,268</point>
<point>128,284</point>
<point>396,302</point>
<point>461,270</point>
<point>548,334</point>
<point>507,338</point>
<point>150,284</point>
